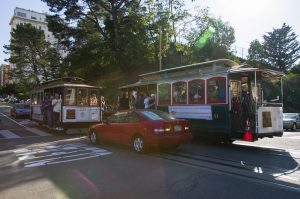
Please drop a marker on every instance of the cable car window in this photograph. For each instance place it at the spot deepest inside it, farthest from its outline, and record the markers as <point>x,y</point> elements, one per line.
<point>82,97</point>
<point>34,100</point>
<point>69,98</point>
<point>216,90</point>
<point>179,93</point>
<point>197,91</point>
<point>164,94</point>
<point>235,88</point>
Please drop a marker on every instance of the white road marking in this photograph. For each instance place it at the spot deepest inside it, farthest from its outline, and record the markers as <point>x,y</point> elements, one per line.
<point>24,122</point>
<point>55,154</point>
<point>38,132</point>
<point>8,134</point>
<point>33,130</point>
<point>13,120</point>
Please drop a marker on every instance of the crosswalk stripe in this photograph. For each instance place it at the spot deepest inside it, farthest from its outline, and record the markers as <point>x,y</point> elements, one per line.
<point>38,132</point>
<point>8,134</point>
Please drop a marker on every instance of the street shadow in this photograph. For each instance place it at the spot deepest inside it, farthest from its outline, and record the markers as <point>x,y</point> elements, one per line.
<point>278,164</point>
<point>84,178</point>
<point>13,175</point>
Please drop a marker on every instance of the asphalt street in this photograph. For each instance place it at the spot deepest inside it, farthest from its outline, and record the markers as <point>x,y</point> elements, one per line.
<point>36,163</point>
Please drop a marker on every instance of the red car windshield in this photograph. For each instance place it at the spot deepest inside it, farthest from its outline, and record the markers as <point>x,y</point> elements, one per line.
<point>157,115</point>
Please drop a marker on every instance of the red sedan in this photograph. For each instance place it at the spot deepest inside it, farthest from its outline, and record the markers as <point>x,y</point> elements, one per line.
<point>141,129</point>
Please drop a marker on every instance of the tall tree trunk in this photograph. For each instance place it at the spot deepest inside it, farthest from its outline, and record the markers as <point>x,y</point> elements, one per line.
<point>116,34</point>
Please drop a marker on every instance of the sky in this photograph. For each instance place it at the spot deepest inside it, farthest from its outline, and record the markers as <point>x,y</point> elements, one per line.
<point>251,19</point>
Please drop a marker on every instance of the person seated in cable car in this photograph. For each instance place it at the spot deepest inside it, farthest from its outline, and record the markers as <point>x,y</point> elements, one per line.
<point>93,100</point>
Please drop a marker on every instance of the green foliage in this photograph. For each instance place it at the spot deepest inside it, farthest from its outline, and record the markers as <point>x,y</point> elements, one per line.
<point>271,89</point>
<point>21,90</point>
<point>8,89</point>
<point>103,37</point>
<point>107,34</point>
<point>126,34</point>
<point>34,58</point>
<point>291,92</point>
<point>281,48</point>
<point>203,38</point>
<point>223,34</point>
<point>256,54</point>
<point>217,43</point>
<point>295,69</point>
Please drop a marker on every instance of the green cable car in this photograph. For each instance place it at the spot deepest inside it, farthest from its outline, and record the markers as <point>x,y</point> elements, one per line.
<point>222,99</point>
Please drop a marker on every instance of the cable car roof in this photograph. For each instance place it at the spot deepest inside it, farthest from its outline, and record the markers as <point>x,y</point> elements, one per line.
<point>266,73</point>
<point>226,62</point>
<point>215,67</point>
<point>65,82</point>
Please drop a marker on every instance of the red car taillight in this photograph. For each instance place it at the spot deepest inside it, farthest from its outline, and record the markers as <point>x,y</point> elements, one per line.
<point>158,130</point>
<point>174,127</point>
<point>161,130</point>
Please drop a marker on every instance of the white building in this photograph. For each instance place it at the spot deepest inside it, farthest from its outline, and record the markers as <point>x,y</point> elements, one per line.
<point>36,19</point>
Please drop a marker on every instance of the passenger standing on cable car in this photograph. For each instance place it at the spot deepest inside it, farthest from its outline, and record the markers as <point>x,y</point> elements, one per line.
<point>56,104</point>
<point>103,104</point>
<point>49,112</point>
<point>139,104</point>
<point>152,101</point>
<point>44,110</point>
<point>132,102</point>
<point>123,102</point>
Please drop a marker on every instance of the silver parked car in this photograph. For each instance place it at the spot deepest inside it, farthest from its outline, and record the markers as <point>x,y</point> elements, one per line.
<point>291,121</point>
<point>20,110</point>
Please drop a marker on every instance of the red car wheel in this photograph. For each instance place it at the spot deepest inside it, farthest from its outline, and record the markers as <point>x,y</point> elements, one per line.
<point>94,137</point>
<point>138,144</point>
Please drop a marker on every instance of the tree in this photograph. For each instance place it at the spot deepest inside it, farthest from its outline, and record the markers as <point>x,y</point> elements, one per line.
<point>281,47</point>
<point>295,69</point>
<point>291,92</point>
<point>8,89</point>
<point>104,17</point>
<point>107,34</point>
<point>257,56</point>
<point>256,51</point>
<point>126,32</point>
<point>215,45</point>
<point>31,54</point>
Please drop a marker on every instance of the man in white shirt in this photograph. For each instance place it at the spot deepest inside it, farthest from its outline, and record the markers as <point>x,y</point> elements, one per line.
<point>56,104</point>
